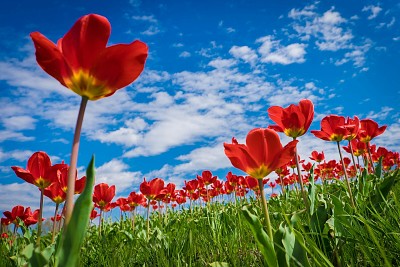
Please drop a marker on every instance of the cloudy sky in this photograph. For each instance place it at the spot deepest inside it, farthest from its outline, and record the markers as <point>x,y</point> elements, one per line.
<point>214,67</point>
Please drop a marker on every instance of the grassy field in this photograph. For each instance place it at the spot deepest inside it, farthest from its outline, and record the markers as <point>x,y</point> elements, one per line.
<point>330,233</point>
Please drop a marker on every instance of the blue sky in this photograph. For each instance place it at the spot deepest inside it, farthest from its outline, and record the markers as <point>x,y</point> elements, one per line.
<point>214,67</point>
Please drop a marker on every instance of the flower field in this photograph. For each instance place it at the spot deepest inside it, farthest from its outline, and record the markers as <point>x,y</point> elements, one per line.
<point>317,212</point>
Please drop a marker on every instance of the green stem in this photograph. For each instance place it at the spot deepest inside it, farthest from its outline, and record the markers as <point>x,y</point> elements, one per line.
<point>73,162</point>
<point>370,158</point>
<point>346,178</point>
<point>39,229</point>
<point>265,209</point>
<point>303,193</point>
<point>148,219</point>
<point>54,223</point>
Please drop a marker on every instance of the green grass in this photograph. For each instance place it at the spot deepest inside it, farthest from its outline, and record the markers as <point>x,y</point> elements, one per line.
<point>333,233</point>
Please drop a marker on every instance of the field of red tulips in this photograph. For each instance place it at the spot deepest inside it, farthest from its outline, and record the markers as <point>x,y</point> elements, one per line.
<point>318,212</point>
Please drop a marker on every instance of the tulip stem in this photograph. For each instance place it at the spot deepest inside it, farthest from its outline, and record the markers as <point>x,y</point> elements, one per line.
<point>346,178</point>
<point>370,158</point>
<point>303,193</point>
<point>265,209</point>
<point>73,162</point>
<point>54,223</point>
<point>39,228</point>
<point>148,219</point>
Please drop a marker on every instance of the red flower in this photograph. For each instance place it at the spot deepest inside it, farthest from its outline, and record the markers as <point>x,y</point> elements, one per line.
<point>37,171</point>
<point>103,195</point>
<point>318,157</point>
<point>332,129</point>
<point>58,218</point>
<point>352,126</point>
<point>294,120</point>
<point>191,186</point>
<point>63,178</point>
<point>153,189</point>
<point>17,212</point>
<point>369,130</point>
<point>122,203</point>
<point>206,178</point>
<point>262,154</point>
<point>32,218</point>
<point>135,199</point>
<point>359,148</point>
<point>94,214</point>
<point>81,61</point>
<point>55,193</point>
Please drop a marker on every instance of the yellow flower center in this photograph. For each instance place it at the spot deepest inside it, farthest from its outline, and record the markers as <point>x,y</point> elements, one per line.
<point>293,132</point>
<point>259,173</point>
<point>84,84</point>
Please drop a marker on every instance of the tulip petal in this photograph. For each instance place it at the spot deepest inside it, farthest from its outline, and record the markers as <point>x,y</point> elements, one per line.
<point>119,65</point>
<point>307,108</point>
<point>50,58</point>
<point>85,41</point>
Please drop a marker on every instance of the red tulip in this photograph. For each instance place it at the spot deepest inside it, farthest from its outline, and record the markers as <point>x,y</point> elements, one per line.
<point>55,193</point>
<point>94,215</point>
<point>153,189</point>
<point>37,171</point>
<point>318,157</point>
<point>17,212</point>
<point>352,126</point>
<point>63,178</point>
<point>81,61</point>
<point>135,199</point>
<point>103,195</point>
<point>369,130</point>
<point>262,154</point>
<point>359,148</point>
<point>32,218</point>
<point>206,178</point>
<point>294,120</point>
<point>332,129</point>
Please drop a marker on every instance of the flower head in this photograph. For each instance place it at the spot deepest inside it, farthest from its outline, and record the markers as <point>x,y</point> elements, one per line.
<point>81,61</point>
<point>369,130</point>
<point>103,195</point>
<point>37,171</point>
<point>294,120</point>
<point>262,154</point>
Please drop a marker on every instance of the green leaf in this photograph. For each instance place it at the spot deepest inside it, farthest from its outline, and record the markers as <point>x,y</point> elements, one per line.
<point>311,191</point>
<point>378,168</point>
<point>69,248</point>
<point>265,244</point>
<point>379,195</point>
<point>219,264</point>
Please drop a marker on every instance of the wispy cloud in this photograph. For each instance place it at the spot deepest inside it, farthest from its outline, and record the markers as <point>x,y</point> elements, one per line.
<point>374,10</point>
<point>273,52</point>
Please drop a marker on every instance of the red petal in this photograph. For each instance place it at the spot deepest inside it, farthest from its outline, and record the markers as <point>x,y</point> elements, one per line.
<point>307,108</point>
<point>39,164</point>
<point>50,58</point>
<point>85,41</point>
<point>24,174</point>
<point>257,145</point>
<point>275,114</point>
<point>284,156</point>
<point>120,65</point>
<point>272,148</point>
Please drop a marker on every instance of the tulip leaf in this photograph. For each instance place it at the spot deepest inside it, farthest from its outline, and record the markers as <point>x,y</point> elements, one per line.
<point>265,244</point>
<point>69,248</point>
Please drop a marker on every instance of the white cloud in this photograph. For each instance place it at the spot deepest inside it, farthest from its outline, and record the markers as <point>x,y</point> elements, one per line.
<point>152,30</point>
<point>19,123</point>
<point>219,63</point>
<point>326,28</point>
<point>244,53</point>
<point>185,54</point>
<point>273,52</point>
<point>115,172</point>
<point>15,136</point>
<point>149,18</point>
<point>19,155</point>
<point>382,114</point>
<point>203,158</point>
<point>375,10</point>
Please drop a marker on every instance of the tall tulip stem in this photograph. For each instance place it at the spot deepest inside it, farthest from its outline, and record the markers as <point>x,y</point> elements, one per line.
<point>370,157</point>
<point>39,229</point>
<point>303,193</point>
<point>265,209</point>
<point>73,162</point>
<point>345,177</point>
<point>54,223</point>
